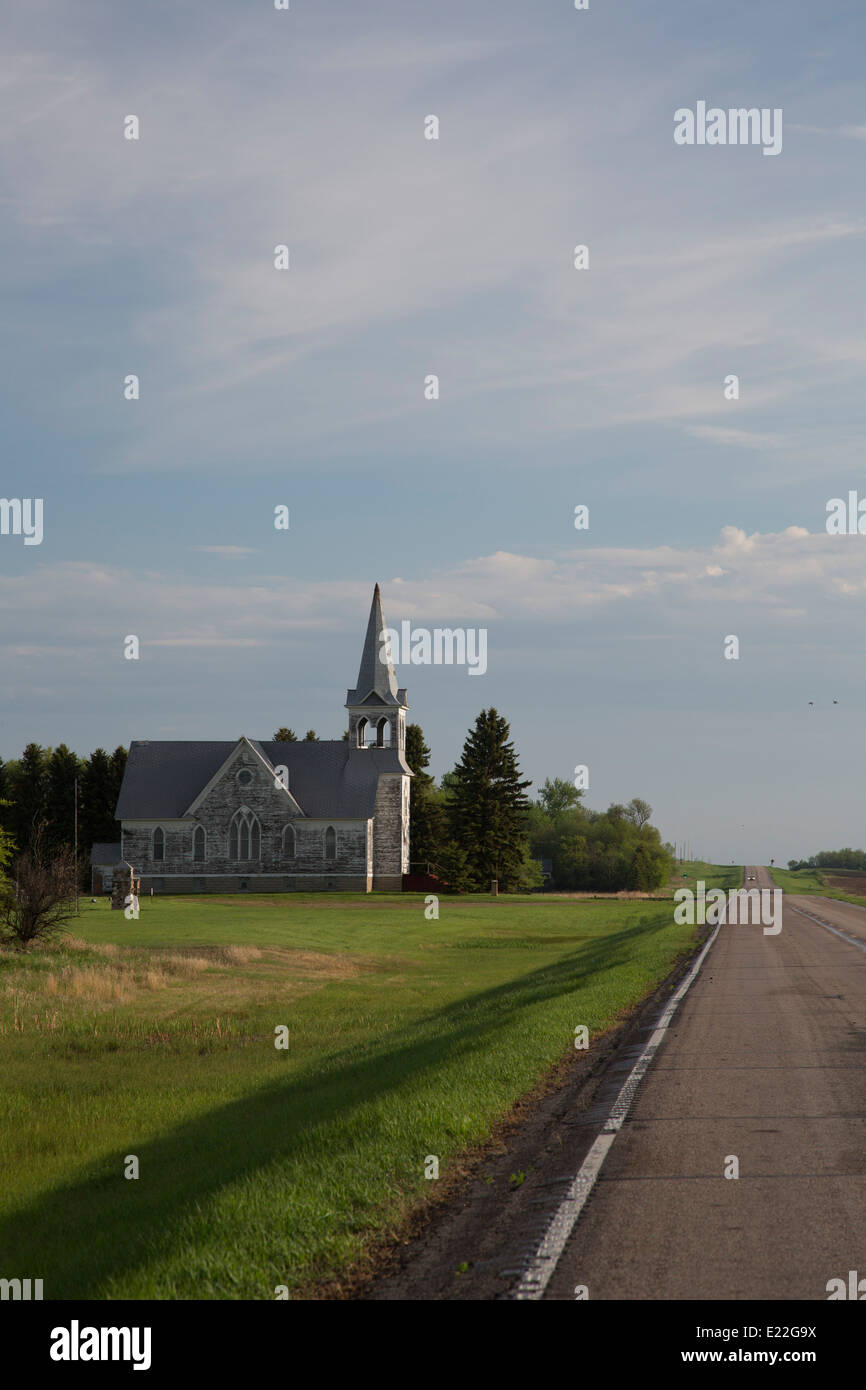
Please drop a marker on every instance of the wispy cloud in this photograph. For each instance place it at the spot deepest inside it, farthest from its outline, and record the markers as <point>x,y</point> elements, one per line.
<point>763,573</point>
<point>226,549</point>
<point>407,255</point>
<point>851,132</point>
<point>746,439</point>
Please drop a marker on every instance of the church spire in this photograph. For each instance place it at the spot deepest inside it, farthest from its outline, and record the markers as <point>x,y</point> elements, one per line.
<point>375,677</point>
<point>376,705</point>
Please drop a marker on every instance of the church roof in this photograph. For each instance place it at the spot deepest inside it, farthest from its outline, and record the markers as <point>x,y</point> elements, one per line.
<point>326,777</point>
<point>375,677</point>
<point>103,853</point>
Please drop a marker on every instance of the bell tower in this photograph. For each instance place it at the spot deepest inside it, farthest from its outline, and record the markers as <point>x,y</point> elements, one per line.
<point>377,709</point>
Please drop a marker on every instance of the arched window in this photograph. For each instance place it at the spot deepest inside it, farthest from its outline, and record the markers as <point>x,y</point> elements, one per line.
<point>289,842</point>
<point>198,843</point>
<point>244,835</point>
<point>159,843</point>
<point>383,732</point>
<point>362,732</point>
<point>330,843</point>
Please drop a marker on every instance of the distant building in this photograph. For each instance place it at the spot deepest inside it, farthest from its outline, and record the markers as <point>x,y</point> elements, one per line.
<point>103,858</point>
<point>263,817</point>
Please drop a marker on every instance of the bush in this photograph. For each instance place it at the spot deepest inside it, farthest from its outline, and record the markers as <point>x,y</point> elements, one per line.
<point>37,903</point>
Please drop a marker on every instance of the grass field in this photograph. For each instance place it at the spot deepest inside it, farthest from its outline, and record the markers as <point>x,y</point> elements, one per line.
<point>816,881</point>
<point>713,875</point>
<point>797,880</point>
<point>261,1167</point>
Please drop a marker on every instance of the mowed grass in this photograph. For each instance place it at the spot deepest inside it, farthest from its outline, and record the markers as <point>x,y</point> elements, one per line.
<point>797,880</point>
<point>258,1167</point>
<point>712,875</point>
<point>815,881</point>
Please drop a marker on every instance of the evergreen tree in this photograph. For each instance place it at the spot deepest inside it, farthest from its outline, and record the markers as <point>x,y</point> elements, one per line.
<point>27,792</point>
<point>62,768</point>
<point>487,806</point>
<point>426,819</point>
<point>116,769</point>
<point>453,868</point>
<point>311,736</point>
<point>285,735</point>
<point>97,800</point>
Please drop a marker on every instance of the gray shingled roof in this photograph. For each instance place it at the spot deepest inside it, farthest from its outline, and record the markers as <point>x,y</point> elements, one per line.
<point>102,853</point>
<point>326,778</point>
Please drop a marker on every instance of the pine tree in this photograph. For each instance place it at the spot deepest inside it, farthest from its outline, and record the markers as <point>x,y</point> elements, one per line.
<point>62,768</point>
<point>285,735</point>
<point>116,769</point>
<point>311,736</point>
<point>98,798</point>
<point>426,820</point>
<point>453,868</point>
<point>487,806</point>
<point>27,792</point>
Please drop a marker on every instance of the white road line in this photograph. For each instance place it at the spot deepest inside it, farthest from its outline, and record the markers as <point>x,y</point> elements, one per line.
<point>850,940</point>
<point>538,1272</point>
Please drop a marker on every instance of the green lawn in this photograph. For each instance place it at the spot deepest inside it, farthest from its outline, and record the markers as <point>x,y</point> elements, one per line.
<point>797,880</point>
<point>713,875</point>
<point>813,881</point>
<point>260,1167</point>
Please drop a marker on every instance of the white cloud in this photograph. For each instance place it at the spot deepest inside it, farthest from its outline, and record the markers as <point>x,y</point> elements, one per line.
<point>406,254</point>
<point>774,577</point>
<point>851,132</point>
<point>746,439</point>
<point>226,549</point>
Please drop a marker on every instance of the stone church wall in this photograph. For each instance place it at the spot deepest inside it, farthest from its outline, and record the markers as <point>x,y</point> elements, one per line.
<point>391,834</point>
<point>306,868</point>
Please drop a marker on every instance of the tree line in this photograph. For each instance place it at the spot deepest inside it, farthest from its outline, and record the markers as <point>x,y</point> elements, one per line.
<point>37,797</point>
<point>832,859</point>
<point>479,825</point>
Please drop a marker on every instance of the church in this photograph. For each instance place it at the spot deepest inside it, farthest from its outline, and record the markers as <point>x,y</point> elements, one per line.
<point>268,817</point>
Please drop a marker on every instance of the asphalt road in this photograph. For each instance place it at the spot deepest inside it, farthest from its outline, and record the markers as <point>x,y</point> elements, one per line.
<point>766,1062</point>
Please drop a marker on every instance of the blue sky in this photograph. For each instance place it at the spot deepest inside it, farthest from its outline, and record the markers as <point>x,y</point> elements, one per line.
<point>558,387</point>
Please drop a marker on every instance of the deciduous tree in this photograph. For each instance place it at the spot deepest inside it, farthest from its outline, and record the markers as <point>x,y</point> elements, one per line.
<point>39,901</point>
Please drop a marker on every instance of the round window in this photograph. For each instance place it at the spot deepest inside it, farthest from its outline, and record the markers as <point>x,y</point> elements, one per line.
<point>245,777</point>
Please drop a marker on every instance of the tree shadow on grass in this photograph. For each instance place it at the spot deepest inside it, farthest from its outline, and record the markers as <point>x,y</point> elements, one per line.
<point>100,1226</point>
